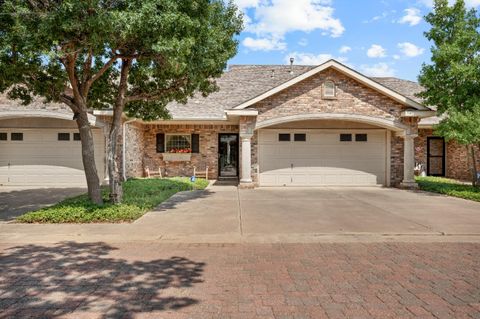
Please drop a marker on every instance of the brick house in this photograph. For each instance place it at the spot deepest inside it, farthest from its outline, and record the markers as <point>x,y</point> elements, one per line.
<point>266,126</point>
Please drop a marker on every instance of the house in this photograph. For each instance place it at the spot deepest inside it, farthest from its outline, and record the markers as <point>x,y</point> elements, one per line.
<point>267,125</point>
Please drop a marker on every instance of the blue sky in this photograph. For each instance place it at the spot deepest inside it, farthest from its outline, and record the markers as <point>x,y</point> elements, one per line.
<point>375,37</point>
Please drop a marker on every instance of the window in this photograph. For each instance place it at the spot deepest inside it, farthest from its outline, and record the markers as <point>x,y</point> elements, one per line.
<point>300,137</point>
<point>64,136</point>
<point>76,137</point>
<point>178,143</point>
<point>329,89</point>
<point>361,137</point>
<point>345,137</point>
<point>3,136</point>
<point>16,137</point>
<point>284,137</point>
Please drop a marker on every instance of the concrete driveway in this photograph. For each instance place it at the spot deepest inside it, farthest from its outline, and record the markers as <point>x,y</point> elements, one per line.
<point>317,211</point>
<point>14,201</point>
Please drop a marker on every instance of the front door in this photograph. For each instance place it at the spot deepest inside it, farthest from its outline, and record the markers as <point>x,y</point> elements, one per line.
<point>228,155</point>
<point>435,156</point>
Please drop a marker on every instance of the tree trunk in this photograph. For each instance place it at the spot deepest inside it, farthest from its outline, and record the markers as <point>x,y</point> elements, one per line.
<point>474,165</point>
<point>116,190</point>
<point>88,158</point>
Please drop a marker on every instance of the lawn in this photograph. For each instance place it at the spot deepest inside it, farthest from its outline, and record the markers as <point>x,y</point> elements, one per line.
<point>140,196</point>
<point>449,187</point>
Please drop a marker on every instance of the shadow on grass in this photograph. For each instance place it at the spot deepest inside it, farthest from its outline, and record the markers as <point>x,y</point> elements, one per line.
<point>52,281</point>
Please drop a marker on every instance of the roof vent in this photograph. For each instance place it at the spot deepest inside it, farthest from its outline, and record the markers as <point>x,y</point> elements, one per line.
<point>273,73</point>
<point>291,65</point>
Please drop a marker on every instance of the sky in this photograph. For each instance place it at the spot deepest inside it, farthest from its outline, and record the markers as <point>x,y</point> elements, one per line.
<point>375,37</point>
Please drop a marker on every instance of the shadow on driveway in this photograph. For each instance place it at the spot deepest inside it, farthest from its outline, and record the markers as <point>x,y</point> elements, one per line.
<point>53,281</point>
<point>17,201</point>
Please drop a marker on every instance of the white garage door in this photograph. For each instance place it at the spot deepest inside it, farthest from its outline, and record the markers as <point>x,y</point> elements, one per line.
<point>45,157</point>
<point>322,157</point>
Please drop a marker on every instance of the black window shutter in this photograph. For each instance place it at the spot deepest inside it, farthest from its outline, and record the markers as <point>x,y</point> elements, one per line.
<point>195,143</point>
<point>160,143</point>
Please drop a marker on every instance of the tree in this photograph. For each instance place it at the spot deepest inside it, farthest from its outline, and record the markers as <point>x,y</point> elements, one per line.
<point>131,55</point>
<point>452,81</point>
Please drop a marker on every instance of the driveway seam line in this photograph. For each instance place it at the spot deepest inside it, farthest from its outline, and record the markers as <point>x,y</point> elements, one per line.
<point>240,226</point>
<point>389,212</point>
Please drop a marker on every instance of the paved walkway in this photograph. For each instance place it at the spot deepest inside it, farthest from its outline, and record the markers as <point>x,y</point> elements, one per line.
<point>152,280</point>
<point>224,214</point>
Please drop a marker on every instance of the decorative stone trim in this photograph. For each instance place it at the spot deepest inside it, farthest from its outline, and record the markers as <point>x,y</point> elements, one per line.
<point>177,157</point>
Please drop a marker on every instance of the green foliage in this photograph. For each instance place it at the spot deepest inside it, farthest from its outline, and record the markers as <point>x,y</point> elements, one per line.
<point>452,81</point>
<point>176,49</point>
<point>141,195</point>
<point>449,187</point>
<point>463,127</point>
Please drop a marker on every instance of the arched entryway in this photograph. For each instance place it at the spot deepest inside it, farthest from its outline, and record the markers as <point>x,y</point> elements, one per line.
<point>325,150</point>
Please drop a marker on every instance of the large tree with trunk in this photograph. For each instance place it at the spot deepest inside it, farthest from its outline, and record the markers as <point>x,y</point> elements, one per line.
<point>452,80</point>
<point>133,56</point>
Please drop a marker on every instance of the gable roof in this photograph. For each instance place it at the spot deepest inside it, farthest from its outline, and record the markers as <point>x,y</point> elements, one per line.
<point>345,70</point>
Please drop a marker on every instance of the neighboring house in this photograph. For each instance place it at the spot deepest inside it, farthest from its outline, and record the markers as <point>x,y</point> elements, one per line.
<point>267,125</point>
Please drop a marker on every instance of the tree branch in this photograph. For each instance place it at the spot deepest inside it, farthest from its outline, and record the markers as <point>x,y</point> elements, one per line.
<point>69,101</point>
<point>147,97</point>
<point>87,68</point>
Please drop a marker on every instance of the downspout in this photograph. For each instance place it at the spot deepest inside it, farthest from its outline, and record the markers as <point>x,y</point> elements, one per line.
<point>124,147</point>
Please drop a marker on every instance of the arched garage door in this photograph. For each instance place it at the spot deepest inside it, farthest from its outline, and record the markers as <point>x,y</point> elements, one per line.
<point>322,157</point>
<point>45,157</point>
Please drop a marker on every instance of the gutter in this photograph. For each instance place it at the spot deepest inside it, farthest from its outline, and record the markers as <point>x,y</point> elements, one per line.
<point>124,146</point>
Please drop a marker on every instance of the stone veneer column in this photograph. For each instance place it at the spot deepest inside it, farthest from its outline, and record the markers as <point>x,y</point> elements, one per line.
<point>409,162</point>
<point>246,177</point>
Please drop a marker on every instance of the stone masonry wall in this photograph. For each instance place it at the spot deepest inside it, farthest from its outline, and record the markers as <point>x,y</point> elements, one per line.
<point>208,148</point>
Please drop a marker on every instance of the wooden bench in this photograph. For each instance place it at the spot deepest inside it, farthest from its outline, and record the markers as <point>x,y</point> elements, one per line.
<point>201,174</point>
<point>150,174</point>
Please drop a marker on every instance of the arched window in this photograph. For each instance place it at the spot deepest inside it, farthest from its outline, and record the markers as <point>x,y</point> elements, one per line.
<point>329,89</point>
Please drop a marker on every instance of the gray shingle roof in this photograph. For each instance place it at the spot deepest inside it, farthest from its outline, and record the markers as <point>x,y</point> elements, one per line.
<point>237,85</point>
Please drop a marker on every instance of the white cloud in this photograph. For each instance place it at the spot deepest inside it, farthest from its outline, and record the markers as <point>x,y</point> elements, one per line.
<point>264,44</point>
<point>469,3</point>
<point>412,16</point>
<point>379,69</point>
<point>303,58</point>
<point>376,51</point>
<point>243,4</point>
<point>303,42</point>
<point>396,57</point>
<point>345,49</point>
<point>410,50</point>
<point>275,18</point>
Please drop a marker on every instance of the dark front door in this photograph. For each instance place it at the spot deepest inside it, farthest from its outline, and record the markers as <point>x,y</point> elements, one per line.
<point>435,156</point>
<point>228,155</point>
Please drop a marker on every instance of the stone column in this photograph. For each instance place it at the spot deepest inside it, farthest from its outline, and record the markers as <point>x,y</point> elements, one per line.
<point>246,177</point>
<point>409,162</point>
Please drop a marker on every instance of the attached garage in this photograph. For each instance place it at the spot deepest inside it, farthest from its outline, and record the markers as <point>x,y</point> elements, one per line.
<point>322,157</point>
<point>44,152</point>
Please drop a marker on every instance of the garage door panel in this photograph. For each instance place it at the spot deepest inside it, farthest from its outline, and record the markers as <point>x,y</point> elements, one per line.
<point>40,159</point>
<point>322,159</point>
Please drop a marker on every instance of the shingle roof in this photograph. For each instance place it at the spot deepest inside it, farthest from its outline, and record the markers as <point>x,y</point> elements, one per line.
<point>237,85</point>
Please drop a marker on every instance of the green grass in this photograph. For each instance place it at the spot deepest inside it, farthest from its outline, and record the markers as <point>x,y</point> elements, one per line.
<point>140,196</point>
<point>449,187</point>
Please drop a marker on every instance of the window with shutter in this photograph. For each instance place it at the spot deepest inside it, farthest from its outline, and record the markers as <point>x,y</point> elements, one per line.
<point>195,143</point>
<point>160,143</point>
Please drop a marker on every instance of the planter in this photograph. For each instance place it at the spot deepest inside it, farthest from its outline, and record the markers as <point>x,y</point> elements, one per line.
<point>177,157</point>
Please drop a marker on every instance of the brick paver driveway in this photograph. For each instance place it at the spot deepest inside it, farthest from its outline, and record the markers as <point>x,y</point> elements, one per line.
<point>152,280</point>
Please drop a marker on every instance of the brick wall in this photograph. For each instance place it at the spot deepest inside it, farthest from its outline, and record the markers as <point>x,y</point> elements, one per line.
<point>457,157</point>
<point>208,148</point>
<point>306,97</point>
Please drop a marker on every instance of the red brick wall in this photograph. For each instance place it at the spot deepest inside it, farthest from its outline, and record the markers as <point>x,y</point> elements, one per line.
<point>457,157</point>
<point>208,148</point>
